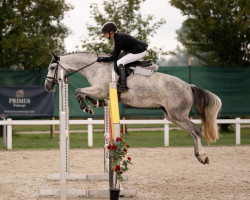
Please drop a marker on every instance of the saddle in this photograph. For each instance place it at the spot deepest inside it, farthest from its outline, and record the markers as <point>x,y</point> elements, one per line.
<point>145,63</point>
<point>145,68</point>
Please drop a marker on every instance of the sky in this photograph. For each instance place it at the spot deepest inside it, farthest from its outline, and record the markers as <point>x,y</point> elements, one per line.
<point>165,37</point>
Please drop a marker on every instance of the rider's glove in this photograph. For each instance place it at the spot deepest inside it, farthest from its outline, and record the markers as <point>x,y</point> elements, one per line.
<point>99,59</point>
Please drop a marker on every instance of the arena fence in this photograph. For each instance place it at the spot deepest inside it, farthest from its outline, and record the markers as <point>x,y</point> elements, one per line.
<point>231,84</point>
<point>8,123</point>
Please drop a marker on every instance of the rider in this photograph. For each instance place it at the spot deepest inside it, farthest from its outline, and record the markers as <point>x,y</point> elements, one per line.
<point>135,48</point>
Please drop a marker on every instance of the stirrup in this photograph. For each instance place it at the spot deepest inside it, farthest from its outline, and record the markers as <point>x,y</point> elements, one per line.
<point>122,88</point>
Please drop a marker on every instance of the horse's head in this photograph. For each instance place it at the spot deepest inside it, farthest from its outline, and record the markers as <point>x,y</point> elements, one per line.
<point>55,73</point>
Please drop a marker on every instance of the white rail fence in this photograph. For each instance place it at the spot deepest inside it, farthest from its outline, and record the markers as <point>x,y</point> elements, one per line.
<point>7,127</point>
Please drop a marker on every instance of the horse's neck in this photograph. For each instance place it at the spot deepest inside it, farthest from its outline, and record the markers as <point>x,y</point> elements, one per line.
<point>76,61</point>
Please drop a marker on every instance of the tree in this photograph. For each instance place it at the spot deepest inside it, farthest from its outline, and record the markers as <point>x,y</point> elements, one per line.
<point>216,32</point>
<point>126,14</point>
<point>180,58</point>
<point>29,29</point>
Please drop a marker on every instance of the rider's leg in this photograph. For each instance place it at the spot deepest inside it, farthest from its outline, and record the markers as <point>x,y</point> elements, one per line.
<point>129,58</point>
<point>123,79</point>
<point>122,71</point>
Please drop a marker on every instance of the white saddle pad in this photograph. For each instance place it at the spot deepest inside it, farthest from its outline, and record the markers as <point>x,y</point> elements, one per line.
<point>145,71</point>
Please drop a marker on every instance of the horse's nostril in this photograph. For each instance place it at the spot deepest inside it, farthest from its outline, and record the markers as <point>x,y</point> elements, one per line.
<point>47,87</point>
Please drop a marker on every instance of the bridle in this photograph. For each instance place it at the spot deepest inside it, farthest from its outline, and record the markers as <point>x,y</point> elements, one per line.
<point>54,79</point>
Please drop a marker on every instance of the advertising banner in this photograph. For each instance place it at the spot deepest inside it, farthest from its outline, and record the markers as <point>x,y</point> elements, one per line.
<point>26,101</point>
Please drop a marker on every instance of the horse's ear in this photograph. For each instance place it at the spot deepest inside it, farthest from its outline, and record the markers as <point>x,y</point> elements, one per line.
<point>54,57</point>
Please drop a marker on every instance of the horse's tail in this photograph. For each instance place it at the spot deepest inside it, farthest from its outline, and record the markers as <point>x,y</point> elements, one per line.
<point>207,105</point>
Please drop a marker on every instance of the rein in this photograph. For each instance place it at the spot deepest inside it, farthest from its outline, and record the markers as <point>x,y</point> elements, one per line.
<point>69,74</point>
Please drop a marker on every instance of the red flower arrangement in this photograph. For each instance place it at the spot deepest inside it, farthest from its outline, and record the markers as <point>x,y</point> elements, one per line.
<point>111,147</point>
<point>117,168</point>
<point>118,139</point>
<point>118,151</point>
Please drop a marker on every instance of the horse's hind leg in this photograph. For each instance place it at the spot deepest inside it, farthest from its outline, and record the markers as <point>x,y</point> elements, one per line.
<point>194,130</point>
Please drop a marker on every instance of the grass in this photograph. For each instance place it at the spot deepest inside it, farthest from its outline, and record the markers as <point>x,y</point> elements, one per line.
<point>24,128</point>
<point>181,138</point>
<point>134,139</point>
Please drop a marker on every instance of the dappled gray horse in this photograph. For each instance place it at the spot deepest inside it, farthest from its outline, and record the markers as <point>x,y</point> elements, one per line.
<point>172,95</point>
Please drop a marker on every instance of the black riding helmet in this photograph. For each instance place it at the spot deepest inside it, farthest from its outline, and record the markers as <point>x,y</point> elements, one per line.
<point>108,27</point>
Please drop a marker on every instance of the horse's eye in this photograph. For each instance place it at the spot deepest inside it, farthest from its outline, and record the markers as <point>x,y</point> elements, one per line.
<point>52,66</point>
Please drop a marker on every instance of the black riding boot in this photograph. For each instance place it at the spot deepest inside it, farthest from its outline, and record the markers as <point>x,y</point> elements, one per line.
<point>123,83</point>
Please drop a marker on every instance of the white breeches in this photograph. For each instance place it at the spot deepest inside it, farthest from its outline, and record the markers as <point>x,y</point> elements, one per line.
<point>129,58</point>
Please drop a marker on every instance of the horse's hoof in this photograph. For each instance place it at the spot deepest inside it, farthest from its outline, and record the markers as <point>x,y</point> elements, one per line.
<point>101,103</point>
<point>79,99</point>
<point>83,106</point>
<point>203,159</point>
<point>89,110</point>
<point>206,161</point>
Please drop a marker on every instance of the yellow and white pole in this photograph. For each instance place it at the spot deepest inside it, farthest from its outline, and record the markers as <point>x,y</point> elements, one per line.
<point>114,111</point>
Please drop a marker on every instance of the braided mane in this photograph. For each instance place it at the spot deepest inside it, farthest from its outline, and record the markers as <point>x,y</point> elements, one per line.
<point>85,52</point>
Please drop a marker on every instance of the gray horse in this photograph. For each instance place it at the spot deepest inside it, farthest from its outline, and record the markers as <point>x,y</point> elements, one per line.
<point>172,95</point>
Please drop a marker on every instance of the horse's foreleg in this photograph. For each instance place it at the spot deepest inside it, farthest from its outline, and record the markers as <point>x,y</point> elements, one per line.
<point>84,106</point>
<point>88,93</point>
<point>96,103</point>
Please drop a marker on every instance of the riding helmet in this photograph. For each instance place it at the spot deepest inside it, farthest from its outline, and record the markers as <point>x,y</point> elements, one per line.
<point>109,26</point>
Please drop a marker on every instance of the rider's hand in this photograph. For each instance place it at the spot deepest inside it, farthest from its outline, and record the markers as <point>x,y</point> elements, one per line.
<point>99,59</point>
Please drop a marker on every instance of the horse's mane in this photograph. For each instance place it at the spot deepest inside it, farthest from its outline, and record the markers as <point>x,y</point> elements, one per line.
<point>85,52</point>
